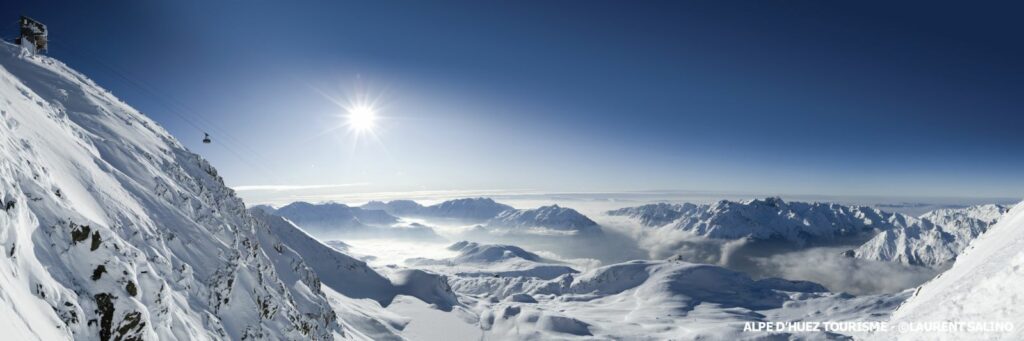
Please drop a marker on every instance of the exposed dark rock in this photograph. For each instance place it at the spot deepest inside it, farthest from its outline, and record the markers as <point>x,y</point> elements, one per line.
<point>105,308</point>
<point>100,270</point>
<point>95,241</point>
<point>79,233</point>
<point>131,289</point>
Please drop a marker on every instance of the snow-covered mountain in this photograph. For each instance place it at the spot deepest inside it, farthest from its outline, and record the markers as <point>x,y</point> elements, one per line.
<point>339,220</point>
<point>344,274</point>
<point>552,218</point>
<point>935,240</point>
<point>983,285</point>
<point>972,218</point>
<point>654,215</point>
<point>111,229</point>
<point>329,216</point>
<point>467,209</point>
<point>490,260</point>
<point>398,208</point>
<point>770,218</point>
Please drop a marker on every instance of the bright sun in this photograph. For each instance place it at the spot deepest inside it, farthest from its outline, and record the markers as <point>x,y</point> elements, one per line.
<point>362,118</point>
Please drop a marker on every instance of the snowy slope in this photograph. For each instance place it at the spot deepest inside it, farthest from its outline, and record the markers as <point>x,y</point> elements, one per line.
<point>345,275</point>
<point>113,230</point>
<point>934,241</point>
<point>983,285</point>
<point>771,218</point>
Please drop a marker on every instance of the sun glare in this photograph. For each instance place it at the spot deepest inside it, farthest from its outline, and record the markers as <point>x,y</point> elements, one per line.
<point>362,118</point>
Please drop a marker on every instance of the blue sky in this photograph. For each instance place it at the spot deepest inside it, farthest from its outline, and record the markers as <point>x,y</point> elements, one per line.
<point>808,97</point>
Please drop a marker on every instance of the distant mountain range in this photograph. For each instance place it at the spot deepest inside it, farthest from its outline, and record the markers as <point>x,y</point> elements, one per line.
<point>468,209</point>
<point>937,238</point>
<point>932,239</point>
<point>764,219</point>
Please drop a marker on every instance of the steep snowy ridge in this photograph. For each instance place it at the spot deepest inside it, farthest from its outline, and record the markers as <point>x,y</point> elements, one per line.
<point>771,218</point>
<point>983,285</point>
<point>936,240</point>
<point>344,274</point>
<point>112,230</point>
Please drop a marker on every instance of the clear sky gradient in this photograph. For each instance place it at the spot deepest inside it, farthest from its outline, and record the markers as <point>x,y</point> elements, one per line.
<point>812,97</point>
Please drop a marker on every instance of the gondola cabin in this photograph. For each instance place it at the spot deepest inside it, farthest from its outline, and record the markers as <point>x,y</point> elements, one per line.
<point>32,32</point>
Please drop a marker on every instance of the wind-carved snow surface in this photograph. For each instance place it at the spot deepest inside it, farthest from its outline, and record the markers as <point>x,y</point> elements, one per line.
<point>935,240</point>
<point>111,229</point>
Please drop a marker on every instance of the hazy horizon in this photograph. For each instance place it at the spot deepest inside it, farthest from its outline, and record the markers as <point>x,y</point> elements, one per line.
<point>598,201</point>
